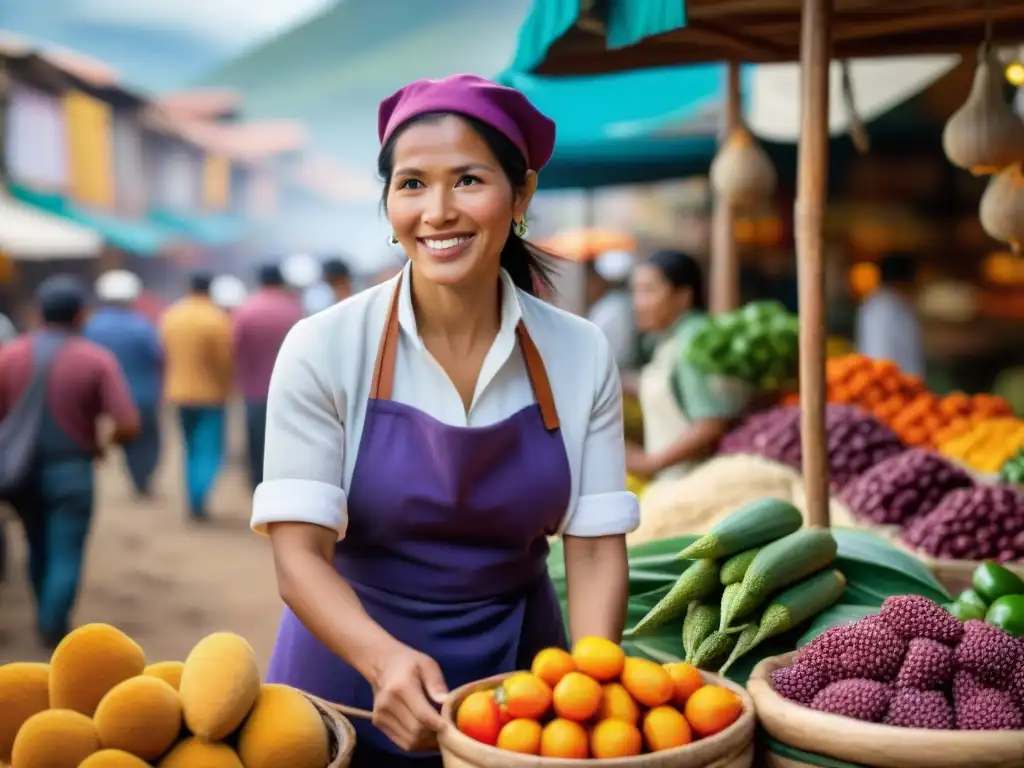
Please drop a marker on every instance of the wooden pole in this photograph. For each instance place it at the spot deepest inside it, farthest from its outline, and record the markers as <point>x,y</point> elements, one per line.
<point>725,266</point>
<point>812,172</point>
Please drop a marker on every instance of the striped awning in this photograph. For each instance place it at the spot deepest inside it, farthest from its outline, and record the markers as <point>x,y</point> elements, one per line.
<point>28,233</point>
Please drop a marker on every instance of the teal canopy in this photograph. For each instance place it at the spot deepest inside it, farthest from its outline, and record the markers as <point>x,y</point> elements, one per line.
<point>607,124</point>
<point>626,22</point>
<point>140,237</point>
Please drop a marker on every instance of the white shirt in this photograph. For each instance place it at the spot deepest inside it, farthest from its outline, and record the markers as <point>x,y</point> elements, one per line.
<point>317,298</point>
<point>888,329</point>
<point>613,314</point>
<point>322,378</point>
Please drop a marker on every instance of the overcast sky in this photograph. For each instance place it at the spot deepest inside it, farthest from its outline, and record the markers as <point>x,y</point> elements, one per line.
<point>156,44</point>
<point>230,25</point>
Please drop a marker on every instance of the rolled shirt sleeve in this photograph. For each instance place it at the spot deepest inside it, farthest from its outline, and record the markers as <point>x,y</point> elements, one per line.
<point>604,507</point>
<point>305,440</point>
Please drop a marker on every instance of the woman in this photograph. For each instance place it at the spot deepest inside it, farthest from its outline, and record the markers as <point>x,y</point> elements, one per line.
<point>685,412</point>
<point>427,435</point>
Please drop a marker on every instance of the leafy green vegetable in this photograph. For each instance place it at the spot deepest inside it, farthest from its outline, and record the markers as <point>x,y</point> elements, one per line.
<point>799,757</point>
<point>756,344</point>
<point>875,566</point>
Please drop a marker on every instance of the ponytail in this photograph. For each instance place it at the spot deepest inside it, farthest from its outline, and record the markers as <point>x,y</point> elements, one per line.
<point>531,268</point>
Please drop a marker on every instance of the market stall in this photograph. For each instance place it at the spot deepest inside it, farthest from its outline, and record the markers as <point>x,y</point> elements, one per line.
<point>812,32</point>
<point>701,31</point>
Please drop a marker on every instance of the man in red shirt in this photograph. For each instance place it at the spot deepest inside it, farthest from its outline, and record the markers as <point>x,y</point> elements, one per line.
<point>260,325</point>
<point>54,498</point>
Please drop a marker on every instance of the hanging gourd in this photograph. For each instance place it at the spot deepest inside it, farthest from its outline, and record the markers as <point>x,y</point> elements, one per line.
<point>1002,206</point>
<point>742,173</point>
<point>984,135</point>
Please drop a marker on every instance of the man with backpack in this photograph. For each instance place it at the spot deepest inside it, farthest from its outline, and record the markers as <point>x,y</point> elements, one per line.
<point>54,387</point>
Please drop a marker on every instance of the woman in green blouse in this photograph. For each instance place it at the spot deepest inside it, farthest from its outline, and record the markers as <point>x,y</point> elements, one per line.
<point>685,411</point>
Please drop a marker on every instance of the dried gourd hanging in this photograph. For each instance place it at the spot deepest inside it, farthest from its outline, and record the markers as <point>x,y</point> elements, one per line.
<point>1002,207</point>
<point>984,135</point>
<point>742,173</point>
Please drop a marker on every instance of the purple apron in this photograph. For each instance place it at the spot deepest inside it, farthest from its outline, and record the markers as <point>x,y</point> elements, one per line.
<point>446,543</point>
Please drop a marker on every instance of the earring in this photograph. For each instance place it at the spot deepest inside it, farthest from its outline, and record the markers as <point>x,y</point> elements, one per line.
<point>392,239</point>
<point>519,227</point>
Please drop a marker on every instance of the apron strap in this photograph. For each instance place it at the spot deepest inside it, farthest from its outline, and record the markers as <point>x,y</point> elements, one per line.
<point>387,352</point>
<point>538,378</point>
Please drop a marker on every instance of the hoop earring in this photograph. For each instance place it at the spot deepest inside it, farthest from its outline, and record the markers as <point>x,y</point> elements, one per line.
<point>520,227</point>
<point>392,239</point>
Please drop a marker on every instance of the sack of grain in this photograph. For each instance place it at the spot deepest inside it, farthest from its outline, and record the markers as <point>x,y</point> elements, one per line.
<point>694,503</point>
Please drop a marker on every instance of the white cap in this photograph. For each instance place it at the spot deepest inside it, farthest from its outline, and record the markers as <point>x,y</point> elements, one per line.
<point>301,270</point>
<point>228,291</point>
<point>614,266</point>
<point>118,285</point>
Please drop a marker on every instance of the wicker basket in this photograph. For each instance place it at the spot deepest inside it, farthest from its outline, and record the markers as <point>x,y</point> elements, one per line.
<point>732,748</point>
<point>340,733</point>
<point>870,744</point>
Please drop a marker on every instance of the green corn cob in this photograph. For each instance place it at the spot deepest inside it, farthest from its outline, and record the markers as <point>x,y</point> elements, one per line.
<point>735,568</point>
<point>697,582</point>
<point>701,620</point>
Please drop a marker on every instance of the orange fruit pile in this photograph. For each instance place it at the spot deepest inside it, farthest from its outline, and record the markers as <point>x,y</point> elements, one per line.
<point>596,702</point>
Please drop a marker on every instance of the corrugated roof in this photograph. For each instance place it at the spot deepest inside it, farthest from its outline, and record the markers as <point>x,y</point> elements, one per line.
<point>205,104</point>
<point>336,182</point>
<point>240,142</point>
<point>76,65</point>
<point>85,68</point>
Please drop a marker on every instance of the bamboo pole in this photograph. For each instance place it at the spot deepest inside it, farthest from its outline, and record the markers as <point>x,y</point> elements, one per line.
<point>812,172</point>
<point>725,266</point>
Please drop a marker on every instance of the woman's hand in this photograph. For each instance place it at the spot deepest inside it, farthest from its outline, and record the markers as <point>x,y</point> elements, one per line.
<point>408,685</point>
<point>402,678</point>
<point>638,462</point>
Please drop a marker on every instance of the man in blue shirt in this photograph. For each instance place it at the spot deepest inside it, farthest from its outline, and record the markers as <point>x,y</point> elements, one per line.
<point>135,341</point>
<point>888,327</point>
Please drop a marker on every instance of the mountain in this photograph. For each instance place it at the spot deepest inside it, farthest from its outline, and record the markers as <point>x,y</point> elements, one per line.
<point>154,44</point>
<point>332,71</point>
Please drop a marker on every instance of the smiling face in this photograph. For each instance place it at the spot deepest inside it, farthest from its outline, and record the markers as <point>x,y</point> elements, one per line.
<point>657,303</point>
<point>451,202</point>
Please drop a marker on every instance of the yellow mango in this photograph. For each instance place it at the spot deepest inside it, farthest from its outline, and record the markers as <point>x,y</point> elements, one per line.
<point>89,662</point>
<point>142,716</point>
<point>219,685</point>
<point>113,758</point>
<point>168,671</point>
<point>56,738</point>
<point>193,753</point>
<point>284,730</point>
<point>24,691</point>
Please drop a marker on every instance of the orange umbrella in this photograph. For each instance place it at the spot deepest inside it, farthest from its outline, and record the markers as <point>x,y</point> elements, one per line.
<point>587,244</point>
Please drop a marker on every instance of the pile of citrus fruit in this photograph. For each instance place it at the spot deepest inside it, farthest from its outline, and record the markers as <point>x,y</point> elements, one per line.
<point>597,703</point>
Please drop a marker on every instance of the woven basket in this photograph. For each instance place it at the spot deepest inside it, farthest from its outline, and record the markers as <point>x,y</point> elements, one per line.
<point>340,733</point>
<point>870,744</point>
<point>732,748</point>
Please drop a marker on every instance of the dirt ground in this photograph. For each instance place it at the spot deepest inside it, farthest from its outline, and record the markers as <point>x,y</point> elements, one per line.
<point>166,583</point>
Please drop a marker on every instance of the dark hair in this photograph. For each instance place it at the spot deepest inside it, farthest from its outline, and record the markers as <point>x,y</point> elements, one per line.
<point>525,263</point>
<point>682,271</point>
<point>62,299</point>
<point>897,269</point>
<point>335,269</point>
<point>200,282</point>
<point>270,276</point>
